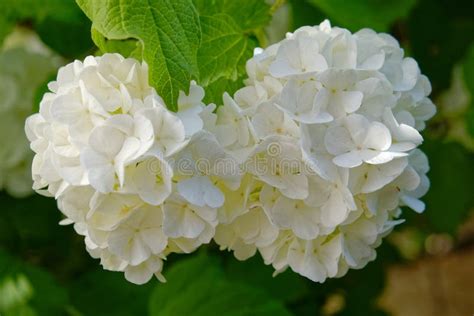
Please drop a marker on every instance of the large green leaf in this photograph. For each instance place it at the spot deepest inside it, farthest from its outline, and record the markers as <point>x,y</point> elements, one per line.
<point>228,40</point>
<point>197,286</point>
<point>248,14</point>
<point>169,31</point>
<point>357,14</point>
<point>224,50</point>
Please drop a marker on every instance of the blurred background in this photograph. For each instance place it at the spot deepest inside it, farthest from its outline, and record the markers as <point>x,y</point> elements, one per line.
<point>425,267</point>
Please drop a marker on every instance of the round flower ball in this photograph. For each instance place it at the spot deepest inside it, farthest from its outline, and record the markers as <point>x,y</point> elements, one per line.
<point>326,129</point>
<point>108,149</point>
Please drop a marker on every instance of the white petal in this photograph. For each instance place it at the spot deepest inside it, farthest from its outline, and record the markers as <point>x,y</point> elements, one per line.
<point>338,140</point>
<point>348,160</point>
<point>199,190</point>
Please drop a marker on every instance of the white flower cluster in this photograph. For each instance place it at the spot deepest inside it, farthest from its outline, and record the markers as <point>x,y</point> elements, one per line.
<point>308,164</point>
<point>25,64</point>
<point>328,126</point>
<point>106,148</point>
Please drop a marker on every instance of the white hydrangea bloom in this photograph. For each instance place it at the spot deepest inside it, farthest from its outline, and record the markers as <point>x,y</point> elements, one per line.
<point>336,120</point>
<point>108,149</point>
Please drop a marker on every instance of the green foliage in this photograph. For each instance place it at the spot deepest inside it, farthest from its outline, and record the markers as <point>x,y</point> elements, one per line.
<point>468,75</point>
<point>181,40</point>
<point>226,44</point>
<point>27,290</point>
<point>128,47</point>
<point>253,271</point>
<point>198,286</point>
<point>304,13</point>
<point>439,34</point>
<point>358,14</point>
<point>450,196</point>
<point>113,295</point>
<point>60,24</point>
<point>41,90</point>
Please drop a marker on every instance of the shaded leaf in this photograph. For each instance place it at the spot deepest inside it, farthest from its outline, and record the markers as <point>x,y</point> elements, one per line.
<point>358,14</point>
<point>197,286</point>
<point>440,32</point>
<point>450,196</point>
<point>103,293</point>
<point>34,289</point>
<point>254,272</point>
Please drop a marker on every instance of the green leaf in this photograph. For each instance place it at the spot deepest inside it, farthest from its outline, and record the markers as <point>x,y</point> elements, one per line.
<point>197,286</point>
<point>439,35</point>
<point>228,40</point>
<point>358,14</point>
<point>28,290</point>
<point>168,29</point>
<point>68,36</point>
<point>216,89</point>
<point>100,293</point>
<point>41,90</point>
<point>224,50</point>
<point>254,272</point>
<point>129,47</point>
<point>29,228</point>
<point>450,196</point>
<point>304,13</point>
<point>249,14</point>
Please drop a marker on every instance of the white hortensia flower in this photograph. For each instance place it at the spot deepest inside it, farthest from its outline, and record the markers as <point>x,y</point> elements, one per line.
<point>189,108</point>
<point>106,147</point>
<point>277,161</point>
<point>333,197</point>
<point>183,219</point>
<point>201,166</point>
<point>150,177</point>
<point>316,259</point>
<point>337,119</point>
<point>356,140</point>
<point>142,273</point>
<point>139,236</point>
<point>302,101</point>
<point>168,130</point>
<point>302,219</point>
<point>247,232</point>
<point>297,57</point>
<point>269,120</point>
